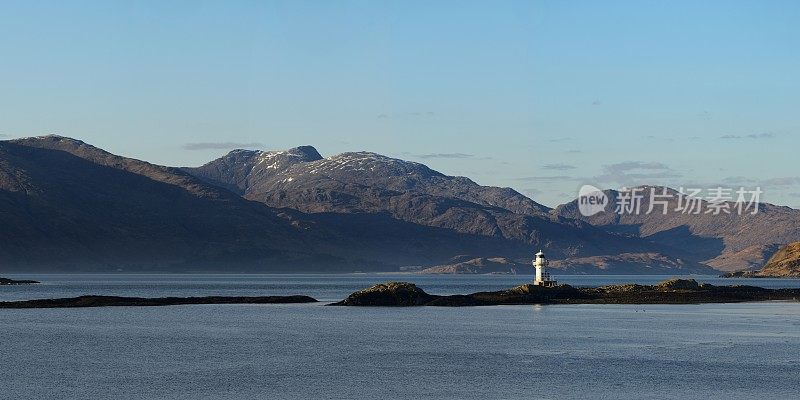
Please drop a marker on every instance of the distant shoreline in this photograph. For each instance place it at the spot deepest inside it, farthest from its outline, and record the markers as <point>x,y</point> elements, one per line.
<point>755,275</point>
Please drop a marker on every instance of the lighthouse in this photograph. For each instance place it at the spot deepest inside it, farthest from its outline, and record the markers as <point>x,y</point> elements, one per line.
<point>542,276</point>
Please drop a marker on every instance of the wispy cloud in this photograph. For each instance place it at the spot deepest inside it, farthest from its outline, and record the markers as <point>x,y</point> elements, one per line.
<point>778,182</point>
<point>635,172</point>
<point>629,173</point>
<point>221,145</point>
<point>765,135</point>
<point>415,114</point>
<point>558,167</point>
<point>443,155</point>
<point>785,181</point>
<point>626,166</point>
<point>737,180</point>
<point>556,178</point>
<point>559,140</point>
<point>661,138</point>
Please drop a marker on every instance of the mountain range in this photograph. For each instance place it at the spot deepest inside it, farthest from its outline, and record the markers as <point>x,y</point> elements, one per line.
<point>68,206</point>
<point>725,241</point>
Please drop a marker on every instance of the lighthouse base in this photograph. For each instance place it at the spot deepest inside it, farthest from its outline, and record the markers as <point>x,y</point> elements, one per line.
<point>546,283</point>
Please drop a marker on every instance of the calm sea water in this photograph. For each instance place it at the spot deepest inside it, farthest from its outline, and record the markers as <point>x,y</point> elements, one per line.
<point>725,351</point>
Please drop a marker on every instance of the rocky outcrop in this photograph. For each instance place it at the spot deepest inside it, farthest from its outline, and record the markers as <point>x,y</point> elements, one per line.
<point>785,263</point>
<point>677,284</point>
<point>675,291</point>
<point>396,294</point>
<point>114,301</point>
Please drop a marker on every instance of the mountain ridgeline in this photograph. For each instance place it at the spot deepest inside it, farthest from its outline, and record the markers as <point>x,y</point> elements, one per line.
<point>71,207</point>
<point>372,184</point>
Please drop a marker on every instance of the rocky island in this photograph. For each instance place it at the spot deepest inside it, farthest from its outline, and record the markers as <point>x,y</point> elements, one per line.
<point>6,281</point>
<point>674,291</point>
<point>115,301</point>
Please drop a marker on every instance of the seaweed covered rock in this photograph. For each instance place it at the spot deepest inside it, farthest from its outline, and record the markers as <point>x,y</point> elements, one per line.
<point>678,284</point>
<point>531,289</point>
<point>674,291</point>
<point>625,288</point>
<point>395,294</point>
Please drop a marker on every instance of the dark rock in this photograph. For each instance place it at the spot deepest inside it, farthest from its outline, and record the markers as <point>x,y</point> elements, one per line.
<point>674,291</point>
<point>115,301</point>
<point>6,281</point>
<point>399,294</point>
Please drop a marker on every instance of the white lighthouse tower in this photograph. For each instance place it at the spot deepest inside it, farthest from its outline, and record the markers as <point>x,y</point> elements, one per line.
<point>542,276</point>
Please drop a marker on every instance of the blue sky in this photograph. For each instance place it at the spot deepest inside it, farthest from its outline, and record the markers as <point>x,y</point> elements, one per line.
<point>541,96</point>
